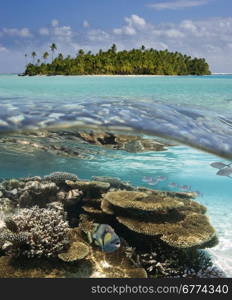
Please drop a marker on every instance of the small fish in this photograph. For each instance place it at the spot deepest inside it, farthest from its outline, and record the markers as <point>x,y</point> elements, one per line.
<point>172,185</point>
<point>185,188</point>
<point>147,179</point>
<point>105,237</point>
<point>225,172</point>
<point>153,182</point>
<point>161,178</point>
<point>219,165</point>
<point>150,179</point>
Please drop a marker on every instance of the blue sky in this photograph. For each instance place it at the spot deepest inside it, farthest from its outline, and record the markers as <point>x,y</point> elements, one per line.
<point>201,28</point>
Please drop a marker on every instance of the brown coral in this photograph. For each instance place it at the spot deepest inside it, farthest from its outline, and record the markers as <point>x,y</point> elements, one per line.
<point>142,201</point>
<point>179,222</point>
<point>194,230</point>
<point>90,189</point>
<point>76,251</point>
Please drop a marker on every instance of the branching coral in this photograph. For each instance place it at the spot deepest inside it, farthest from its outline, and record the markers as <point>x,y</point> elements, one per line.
<point>60,177</point>
<point>41,232</point>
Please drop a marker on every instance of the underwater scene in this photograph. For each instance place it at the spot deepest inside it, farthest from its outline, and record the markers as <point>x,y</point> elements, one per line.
<point>115,176</point>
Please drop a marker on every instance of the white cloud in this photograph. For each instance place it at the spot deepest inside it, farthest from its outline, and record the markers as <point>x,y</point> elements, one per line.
<point>173,33</point>
<point>179,4</point>
<point>44,31</point>
<point>136,21</point>
<point>97,35</point>
<point>55,22</point>
<point>133,23</point>
<point>63,31</point>
<point>3,49</point>
<point>24,32</point>
<point>86,24</point>
<point>128,30</point>
<point>188,25</point>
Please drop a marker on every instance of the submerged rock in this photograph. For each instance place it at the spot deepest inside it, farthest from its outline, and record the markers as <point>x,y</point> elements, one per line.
<point>122,142</point>
<point>69,142</point>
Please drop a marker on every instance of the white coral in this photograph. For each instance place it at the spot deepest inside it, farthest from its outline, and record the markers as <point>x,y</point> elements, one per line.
<point>46,231</point>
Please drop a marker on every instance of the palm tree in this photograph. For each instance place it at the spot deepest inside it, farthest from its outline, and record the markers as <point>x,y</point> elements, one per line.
<point>60,56</point>
<point>33,54</point>
<point>135,61</point>
<point>53,47</point>
<point>25,58</point>
<point>81,52</point>
<point>45,56</point>
<point>114,48</point>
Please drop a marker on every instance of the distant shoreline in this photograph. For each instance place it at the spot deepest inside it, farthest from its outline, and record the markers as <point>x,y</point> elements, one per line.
<point>222,73</point>
<point>103,75</point>
<point>116,75</point>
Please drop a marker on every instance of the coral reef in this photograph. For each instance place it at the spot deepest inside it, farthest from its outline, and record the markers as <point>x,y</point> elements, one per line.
<point>2,223</point>
<point>54,142</point>
<point>106,265</point>
<point>36,233</point>
<point>60,177</point>
<point>76,251</point>
<point>180,223</point>
<point>115,183</point>
<point>149,262</point>
<point>33,142</point>
<point>35,192</point>
<point>23,267</point>
<point>50,219</point>
<point>165,261</point>
<point>121,142</point>
<point>90,189</point>
<point>7,206</point>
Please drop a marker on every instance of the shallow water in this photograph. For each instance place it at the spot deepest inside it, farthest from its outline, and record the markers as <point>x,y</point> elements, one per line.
<point>194,110</point>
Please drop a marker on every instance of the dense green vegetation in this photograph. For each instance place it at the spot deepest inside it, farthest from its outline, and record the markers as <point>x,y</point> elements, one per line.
<point>111,62</point>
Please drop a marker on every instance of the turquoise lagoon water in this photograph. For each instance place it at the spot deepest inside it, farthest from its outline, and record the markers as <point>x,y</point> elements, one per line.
<point>192,109</point>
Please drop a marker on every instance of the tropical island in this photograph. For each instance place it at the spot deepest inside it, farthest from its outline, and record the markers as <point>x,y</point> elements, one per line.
<point>112,62</point>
